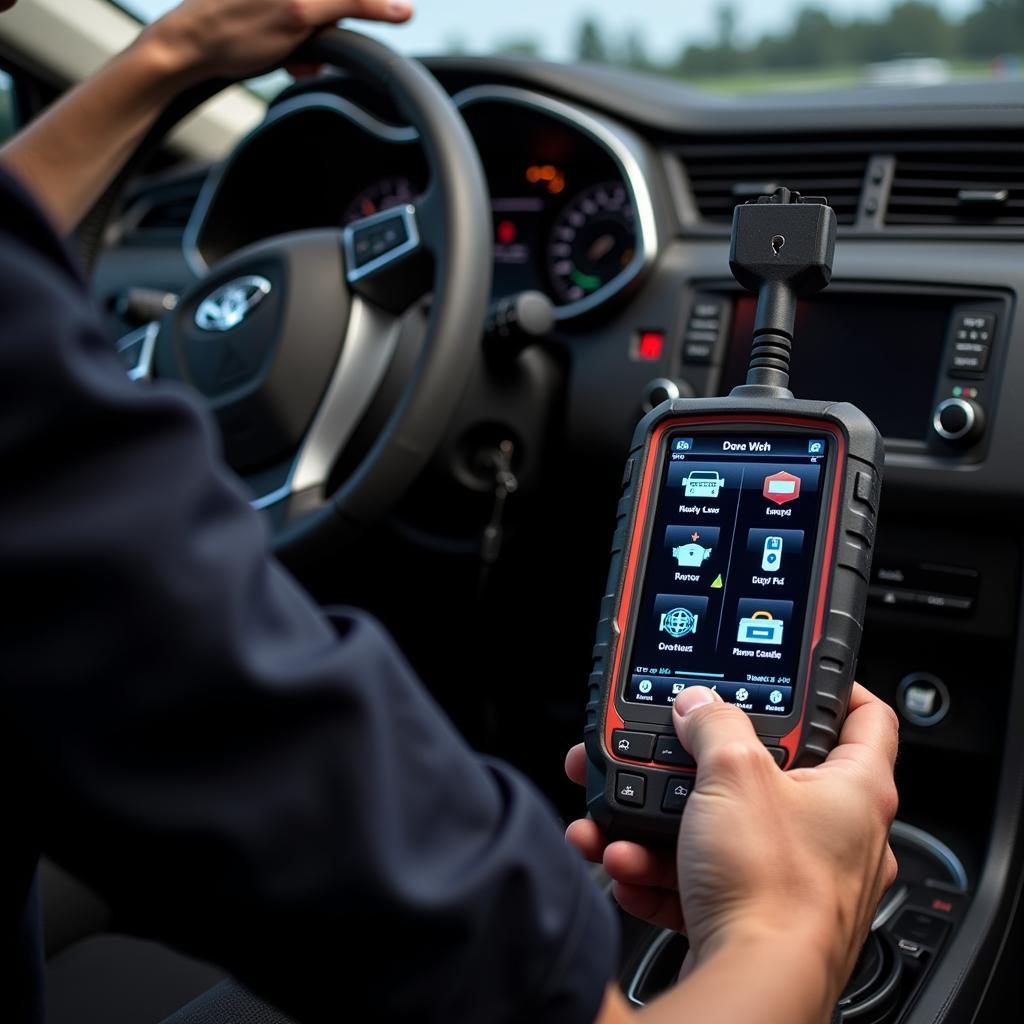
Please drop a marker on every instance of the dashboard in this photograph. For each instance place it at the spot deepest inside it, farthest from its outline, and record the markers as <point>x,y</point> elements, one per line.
<point>572,213</point>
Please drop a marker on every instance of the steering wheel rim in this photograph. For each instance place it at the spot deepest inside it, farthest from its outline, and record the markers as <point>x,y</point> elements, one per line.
<point>453,218</point>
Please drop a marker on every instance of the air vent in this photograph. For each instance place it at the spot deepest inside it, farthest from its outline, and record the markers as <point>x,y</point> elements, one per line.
<point>159,213</point>
<point>725,175</point>
<point>964,184</point>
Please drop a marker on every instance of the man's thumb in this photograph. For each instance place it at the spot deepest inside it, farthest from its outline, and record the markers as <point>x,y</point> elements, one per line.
<point>704,722</point>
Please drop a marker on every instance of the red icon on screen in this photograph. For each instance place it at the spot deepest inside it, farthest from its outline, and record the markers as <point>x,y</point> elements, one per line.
<point>506,232</point>
<point>781,488</point>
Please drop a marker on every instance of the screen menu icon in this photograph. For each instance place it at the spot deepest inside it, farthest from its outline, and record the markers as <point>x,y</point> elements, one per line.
<point>760,628</point>
<point>771,554</point>
<point>781,488</point>
<point>703,483</point>
<point>762,622</point>
<point>678,622</point>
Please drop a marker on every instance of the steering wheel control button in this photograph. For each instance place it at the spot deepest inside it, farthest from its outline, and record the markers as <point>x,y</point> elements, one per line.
<point>372,243</point>
<point>922,699</point>
<point>637,746</point>
<point>958,420</point>
<point>668,750</point>
<point>629,789</point>
<point>677,792</point>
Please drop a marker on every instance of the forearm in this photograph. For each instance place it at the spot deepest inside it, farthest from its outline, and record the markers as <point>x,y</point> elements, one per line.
<point>758,979</point>
<point>70,155</point>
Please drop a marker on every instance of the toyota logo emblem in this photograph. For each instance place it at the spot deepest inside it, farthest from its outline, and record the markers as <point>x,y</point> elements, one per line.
<point>230,304</point>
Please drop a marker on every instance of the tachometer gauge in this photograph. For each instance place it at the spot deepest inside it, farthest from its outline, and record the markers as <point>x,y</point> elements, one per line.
<point>592,242</point>
<point>381,195</point>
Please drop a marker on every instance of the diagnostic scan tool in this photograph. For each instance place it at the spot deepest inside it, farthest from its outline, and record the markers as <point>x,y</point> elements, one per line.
<point>742,553</point>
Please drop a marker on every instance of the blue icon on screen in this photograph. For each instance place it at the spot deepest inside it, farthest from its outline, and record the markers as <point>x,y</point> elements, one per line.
<point>678,622</point>
<point>815,447</point>
<point>683,444</point>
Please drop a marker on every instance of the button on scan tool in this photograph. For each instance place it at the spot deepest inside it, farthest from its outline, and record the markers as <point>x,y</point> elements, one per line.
<point>629,789</point>
<point>635,745</point>
<point>677,792</point>
<point>668,750</point>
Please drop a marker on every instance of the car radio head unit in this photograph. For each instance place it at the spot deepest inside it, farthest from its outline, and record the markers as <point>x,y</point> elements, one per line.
<point>899,356</point>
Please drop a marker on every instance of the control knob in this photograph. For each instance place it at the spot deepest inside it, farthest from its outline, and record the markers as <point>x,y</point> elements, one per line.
<point>959,421</point>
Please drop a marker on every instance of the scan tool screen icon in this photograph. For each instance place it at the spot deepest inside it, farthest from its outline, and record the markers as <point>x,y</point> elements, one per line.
<point>703,483</point>
<point>771,555</point>
<point>782,487</point>
<point>678,622</point>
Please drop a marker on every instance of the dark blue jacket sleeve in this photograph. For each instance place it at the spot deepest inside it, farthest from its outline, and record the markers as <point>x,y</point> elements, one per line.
<point>240,777</point>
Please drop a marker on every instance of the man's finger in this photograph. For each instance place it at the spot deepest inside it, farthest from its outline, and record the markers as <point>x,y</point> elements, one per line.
<point>637,865</point>
<point>705,724</point>
<point>870,733</point>
<point>587,838</point>
<point>657,906</point>
<point>326,12</point>
<point>576,765</point>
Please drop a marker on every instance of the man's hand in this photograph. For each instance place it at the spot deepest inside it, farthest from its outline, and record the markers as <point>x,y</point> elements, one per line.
<point>238,38</point>
<point>70,154</point>
<point>802,856</point>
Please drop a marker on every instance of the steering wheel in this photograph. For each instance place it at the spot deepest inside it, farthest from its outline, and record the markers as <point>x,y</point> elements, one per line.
<point>291,339</point>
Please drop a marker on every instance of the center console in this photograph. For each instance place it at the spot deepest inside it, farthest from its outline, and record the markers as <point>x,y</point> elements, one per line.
<point>913,926</point>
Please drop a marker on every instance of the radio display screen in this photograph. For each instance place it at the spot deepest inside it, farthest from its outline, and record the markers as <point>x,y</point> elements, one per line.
<point>881,353</point>
<point>729,568</point>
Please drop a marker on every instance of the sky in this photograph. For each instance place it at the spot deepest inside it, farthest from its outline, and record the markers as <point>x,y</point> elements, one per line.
<point>665,25</point>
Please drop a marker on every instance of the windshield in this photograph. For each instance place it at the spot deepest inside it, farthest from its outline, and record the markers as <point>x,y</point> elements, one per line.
<point>735,46</point>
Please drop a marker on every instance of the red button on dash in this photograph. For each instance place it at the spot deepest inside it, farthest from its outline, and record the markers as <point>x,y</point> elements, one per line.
<point>650,346</point>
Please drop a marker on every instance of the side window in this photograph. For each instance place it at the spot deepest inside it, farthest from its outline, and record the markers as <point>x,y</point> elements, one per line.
<point>8,107</point>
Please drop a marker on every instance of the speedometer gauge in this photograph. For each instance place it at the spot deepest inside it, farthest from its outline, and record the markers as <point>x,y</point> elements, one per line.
<point>592,242</point>
<point>381,195</point>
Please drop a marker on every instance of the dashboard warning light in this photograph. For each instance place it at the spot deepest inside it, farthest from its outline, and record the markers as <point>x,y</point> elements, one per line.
<point>547,175</point>
<point>649,346</point>
<point>506,232</point>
